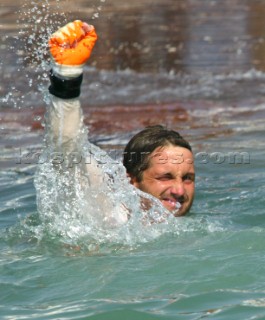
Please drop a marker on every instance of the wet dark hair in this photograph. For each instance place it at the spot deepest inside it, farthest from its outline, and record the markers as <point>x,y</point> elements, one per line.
<point>136,152</point>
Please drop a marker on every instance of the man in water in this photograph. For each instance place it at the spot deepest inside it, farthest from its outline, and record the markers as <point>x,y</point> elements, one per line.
<point>158,161</point>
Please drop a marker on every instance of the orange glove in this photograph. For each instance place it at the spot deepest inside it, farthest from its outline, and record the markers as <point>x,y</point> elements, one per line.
<point>73,43</point>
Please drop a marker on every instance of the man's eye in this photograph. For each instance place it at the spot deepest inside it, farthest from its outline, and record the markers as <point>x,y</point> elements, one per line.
<point>189,177</point>
<point>164,178</point>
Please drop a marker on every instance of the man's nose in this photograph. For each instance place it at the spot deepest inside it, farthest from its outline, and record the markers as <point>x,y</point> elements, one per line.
<point>177,188</point>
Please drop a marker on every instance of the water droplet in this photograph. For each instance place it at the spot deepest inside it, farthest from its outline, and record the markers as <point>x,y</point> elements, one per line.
<point>37,118</point>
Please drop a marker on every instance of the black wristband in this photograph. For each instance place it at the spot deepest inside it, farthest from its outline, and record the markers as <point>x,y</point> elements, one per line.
<point>65,88</point>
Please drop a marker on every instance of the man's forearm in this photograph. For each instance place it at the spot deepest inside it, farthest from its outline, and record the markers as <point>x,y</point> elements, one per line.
<point>64,117</point>
<point>64,121</point>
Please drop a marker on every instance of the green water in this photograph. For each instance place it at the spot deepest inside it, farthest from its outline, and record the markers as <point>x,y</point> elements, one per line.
<point>209,265</point>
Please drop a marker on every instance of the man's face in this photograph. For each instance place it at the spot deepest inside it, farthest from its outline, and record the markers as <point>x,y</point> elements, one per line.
<point>170,177</point>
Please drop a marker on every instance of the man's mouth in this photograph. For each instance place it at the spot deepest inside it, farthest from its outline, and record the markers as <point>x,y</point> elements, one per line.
<point>171,204</point>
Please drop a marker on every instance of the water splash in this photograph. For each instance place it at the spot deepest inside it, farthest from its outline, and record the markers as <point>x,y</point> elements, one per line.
<point>28,52</point>
<point>70,207</point>
<point>96,14</point>
<point>37,21</point>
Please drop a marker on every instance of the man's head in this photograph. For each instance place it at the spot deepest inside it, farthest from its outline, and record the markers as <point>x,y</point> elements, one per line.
<point>160,162</point>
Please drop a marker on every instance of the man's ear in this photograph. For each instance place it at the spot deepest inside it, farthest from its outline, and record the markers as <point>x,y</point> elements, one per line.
<point>132,179</point>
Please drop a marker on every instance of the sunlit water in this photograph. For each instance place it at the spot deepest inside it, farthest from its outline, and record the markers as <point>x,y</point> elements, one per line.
<point>209,264</point>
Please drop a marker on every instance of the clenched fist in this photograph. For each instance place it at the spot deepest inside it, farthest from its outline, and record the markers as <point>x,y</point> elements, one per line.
<point>73,43</point>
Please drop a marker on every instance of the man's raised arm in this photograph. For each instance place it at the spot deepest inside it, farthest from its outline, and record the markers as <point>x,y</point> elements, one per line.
<point>70,48</point>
